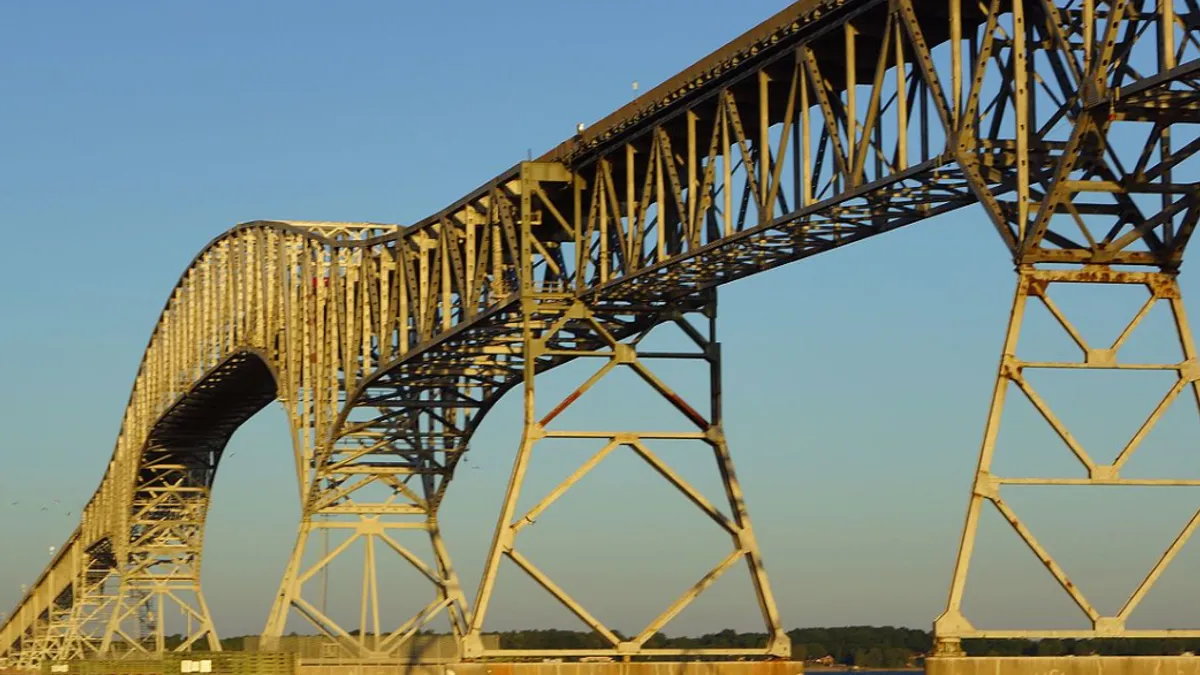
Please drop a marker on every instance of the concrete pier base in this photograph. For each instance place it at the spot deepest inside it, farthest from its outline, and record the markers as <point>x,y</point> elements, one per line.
<point>249,663</point>
<point>1063,665</point>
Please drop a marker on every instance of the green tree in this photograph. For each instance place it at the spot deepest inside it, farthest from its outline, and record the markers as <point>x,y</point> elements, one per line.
<point>1050,647</point>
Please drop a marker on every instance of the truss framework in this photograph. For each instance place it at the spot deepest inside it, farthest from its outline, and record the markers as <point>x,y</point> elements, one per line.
<point>952,626</point>
<point>830,123</point>
<point>45,635</point>
<point>1109,203</point>
<point>90,608</point>
<point>559,325</point>
<point>162,571</point>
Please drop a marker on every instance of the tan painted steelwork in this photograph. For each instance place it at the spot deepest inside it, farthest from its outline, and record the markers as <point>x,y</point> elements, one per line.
<point>573,329</point>
<point>1034,284</point>
<point>829,123</point>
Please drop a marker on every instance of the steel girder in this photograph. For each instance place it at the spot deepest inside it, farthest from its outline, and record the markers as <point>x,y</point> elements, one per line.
<point>827,124</point>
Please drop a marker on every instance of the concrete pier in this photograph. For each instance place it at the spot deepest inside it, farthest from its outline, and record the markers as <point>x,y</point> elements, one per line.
<point>1063,665</point>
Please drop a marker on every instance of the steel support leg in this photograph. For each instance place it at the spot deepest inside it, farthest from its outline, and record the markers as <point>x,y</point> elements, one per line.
<point>146,601</point>
<point>373,526</point>
<point>29,658</point>
<point>53,635</point>
<point>93,603</point>
<point>1035,285</point>
<point>574,328</point>
<point>32,654</point>
<point>39,641</point>
<point>162,571</point>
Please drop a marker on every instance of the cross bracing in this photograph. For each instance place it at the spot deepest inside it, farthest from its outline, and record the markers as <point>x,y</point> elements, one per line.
<point>1066,121</point>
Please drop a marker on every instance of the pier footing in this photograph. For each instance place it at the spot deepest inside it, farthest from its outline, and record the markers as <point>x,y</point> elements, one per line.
<point>1063,665</point>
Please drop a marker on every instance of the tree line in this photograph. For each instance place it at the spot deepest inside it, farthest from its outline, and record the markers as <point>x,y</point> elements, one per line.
<point>861,646</point>
<point>858,646</point>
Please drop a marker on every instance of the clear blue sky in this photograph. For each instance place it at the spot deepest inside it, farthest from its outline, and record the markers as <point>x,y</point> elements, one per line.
<point>857,383</point>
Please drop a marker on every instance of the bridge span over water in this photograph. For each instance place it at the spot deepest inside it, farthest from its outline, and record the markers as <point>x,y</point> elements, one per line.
<point>1068,121</point>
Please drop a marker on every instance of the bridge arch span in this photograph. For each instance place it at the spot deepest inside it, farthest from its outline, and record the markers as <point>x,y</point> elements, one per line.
<point>381,403</point>
<point>268,311</point>
<point>286,311</point>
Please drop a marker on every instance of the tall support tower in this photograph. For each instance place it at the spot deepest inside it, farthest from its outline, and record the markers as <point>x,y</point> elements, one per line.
<point>1109,212</point>
<point>556,324</point>
<point>159,573</point>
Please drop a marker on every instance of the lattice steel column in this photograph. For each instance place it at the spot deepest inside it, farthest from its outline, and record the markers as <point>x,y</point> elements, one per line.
<point>1034,285</point>
<point>29,658</point>
<point>1092,188</point>
<point>375,479</point>
<point>571,327</point>
<point>91,606</point>
<point>58,635</point>
<point>374,534</point>
<point>162,570</point>
<point>46,632</point>
<point>61,633</point>
<point>557,325</point>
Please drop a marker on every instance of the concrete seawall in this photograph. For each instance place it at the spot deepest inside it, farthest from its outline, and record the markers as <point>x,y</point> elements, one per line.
<point>1063,665</point>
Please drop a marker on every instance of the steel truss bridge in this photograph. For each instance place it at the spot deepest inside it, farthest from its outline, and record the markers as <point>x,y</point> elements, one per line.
<point>829,123</point>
